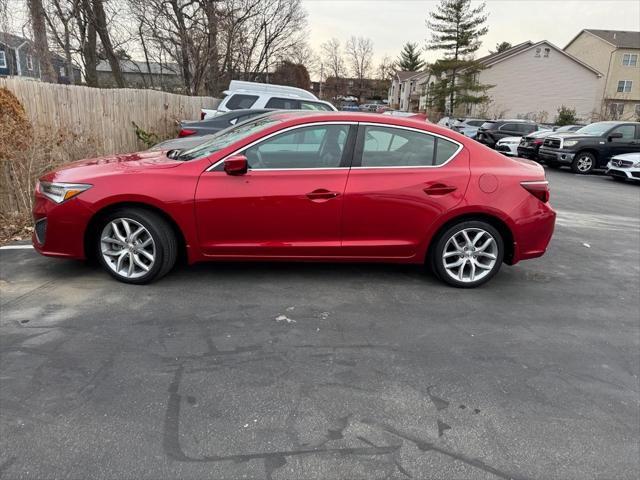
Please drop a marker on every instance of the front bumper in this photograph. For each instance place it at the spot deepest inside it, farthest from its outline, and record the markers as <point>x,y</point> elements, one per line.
<point>527,152</point>
<point>60,228</point>
<point>556,155</point>
<point>626,173</point>
<point>507,149</point>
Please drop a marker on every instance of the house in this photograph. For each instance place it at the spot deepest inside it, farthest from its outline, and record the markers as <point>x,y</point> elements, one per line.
<point>407,89</point>
<point>532,81</point>
<point>616,54</point>
<point>18,58</point>
<point>367,89</point>
<point>162,76</point>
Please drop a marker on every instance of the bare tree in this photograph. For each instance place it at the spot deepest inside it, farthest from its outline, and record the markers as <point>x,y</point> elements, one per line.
<point>59,15</point>
<point>99,20</point>
<point>332,58</point>
<point>386,68</point>
<point>41,43</point>
<point>360,53</point>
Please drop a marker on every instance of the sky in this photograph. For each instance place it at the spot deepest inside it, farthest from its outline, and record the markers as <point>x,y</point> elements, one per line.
<point>391,23</point>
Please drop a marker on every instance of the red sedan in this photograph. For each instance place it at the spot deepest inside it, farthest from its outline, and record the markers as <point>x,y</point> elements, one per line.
<point>302,186</point>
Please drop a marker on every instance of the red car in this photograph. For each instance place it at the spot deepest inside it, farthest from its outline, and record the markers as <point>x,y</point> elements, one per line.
<point>302,186</point>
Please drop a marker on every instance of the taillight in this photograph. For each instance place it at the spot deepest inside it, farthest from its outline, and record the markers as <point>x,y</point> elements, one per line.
<point>539,189</point>
<point>538,141</point>
<point>185,132</point>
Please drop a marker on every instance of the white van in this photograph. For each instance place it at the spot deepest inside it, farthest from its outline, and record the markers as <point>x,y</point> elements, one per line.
<point>245,95</point>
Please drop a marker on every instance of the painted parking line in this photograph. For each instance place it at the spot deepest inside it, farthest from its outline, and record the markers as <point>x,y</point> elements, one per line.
<point>17,247</point>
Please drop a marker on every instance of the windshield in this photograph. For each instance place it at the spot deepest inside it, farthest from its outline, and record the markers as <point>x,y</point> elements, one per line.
<point>597,129</point>
<point>227,137</point>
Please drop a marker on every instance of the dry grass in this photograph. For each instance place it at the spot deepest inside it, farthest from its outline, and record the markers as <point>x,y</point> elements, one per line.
<point>26,152</point>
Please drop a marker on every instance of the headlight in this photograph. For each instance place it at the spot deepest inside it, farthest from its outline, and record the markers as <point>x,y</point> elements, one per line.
<point>570,143</point>
<point>59,192</point>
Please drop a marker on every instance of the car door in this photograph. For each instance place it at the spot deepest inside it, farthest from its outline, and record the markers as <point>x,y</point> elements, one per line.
<point>627,144</point>
<point>401,181</point>
<point>289,203</point>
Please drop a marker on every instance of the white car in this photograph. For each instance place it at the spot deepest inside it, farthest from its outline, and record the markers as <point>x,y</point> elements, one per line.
<point>625,166</point>
<point>243,95</point>
<point>508,145</point>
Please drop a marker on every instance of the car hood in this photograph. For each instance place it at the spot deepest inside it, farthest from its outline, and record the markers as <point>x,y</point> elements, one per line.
<point>572,136</point>
<point>84,170</point>
<point>509,139</point>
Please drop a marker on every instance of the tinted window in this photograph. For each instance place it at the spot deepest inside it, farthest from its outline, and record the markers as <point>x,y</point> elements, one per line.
<point>238,101</point>
<point>283,103</point>
<point>627,131</point>
<point>308,147</point>
<point>394,147</point>
<point>304,105</point>
<point>510,127</point>
<point>527,128</point>
<point>475,123</point>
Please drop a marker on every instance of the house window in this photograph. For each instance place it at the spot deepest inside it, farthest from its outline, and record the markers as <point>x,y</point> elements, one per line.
<point>630,59</point>
<point>538,50</point>
<point>62,74</point>
<point>616,110</point>
<point>624,86</point>
<point>3,59</point>
<point>547,51</point>
<point>29,62</point>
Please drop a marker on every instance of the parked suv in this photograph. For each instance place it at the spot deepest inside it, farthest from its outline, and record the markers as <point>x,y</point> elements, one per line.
<point>592,146</point>
<point>530,144</point>
<point>491,131</point>
<point>246,95</point>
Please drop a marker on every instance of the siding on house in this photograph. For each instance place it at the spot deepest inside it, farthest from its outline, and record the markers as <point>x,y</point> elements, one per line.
<point>607,56</point>
<point>528,82</point>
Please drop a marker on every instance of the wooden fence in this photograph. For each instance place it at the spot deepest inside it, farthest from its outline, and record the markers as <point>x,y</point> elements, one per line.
<point>105,115</point>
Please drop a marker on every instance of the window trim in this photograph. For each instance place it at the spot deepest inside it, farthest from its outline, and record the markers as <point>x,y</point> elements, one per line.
<point>4,59</point>
<point>348,145</point>
<point>29,60</point>
<point>357,154</point>
<point>624,86</point>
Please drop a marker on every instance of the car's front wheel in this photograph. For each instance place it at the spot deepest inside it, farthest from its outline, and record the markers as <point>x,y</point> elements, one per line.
<point>136,246</point>
<point>583,163</point>
<point>468,254</point>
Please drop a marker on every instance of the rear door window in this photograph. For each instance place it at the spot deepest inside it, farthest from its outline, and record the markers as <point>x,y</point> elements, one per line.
<point>395,147</point>
<point>283,103</point>
<point>240,101</point>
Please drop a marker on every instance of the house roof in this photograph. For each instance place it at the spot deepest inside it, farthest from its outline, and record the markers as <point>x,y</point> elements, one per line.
<point>490,60</point>
<point>12,41</point>
<point>617,38</point>
<point>132,66</point>
<point>405,75</point>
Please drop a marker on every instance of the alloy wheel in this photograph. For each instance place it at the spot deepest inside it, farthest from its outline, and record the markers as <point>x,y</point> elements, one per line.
<point>127,248</point>
<point>584,164</point>
<point>470,255</point>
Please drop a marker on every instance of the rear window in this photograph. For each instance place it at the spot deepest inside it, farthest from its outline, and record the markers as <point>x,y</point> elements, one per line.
<point>240,101</point>
<point>304,105</point>
<point>283,103</point>
<point>488,125</point>
<point>475,123</point>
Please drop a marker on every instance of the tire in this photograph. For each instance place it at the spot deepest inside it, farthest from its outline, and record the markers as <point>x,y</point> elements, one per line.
<point>583,163</point>
<point>136,246</point>
<point>478,266</point>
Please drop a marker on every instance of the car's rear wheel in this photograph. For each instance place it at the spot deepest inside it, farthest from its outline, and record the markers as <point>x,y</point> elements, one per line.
<point>468,254</point>
<point>136,246</point>
<point>583,163</point>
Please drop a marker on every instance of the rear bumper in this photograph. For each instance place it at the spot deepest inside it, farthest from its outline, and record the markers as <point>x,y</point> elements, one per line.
<point>556,155</point>
<point>533,233</point>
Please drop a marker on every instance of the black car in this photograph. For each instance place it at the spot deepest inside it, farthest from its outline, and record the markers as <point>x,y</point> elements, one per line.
<point>590,147</point>
<point>530,144</point>
<point>493,130</point>
<point>219,122</point>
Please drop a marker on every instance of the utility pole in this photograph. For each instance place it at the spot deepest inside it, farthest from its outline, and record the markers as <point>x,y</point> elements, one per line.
<point>320,93</point>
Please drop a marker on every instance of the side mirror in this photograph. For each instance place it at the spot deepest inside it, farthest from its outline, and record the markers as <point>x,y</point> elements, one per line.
<point>236,165</point>
<point>615,135</point>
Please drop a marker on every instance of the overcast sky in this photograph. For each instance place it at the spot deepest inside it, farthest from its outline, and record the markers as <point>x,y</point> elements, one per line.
<point>391,23</point>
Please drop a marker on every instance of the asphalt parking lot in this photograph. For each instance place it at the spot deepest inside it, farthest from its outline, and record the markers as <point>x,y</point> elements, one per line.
<point>300,371</point>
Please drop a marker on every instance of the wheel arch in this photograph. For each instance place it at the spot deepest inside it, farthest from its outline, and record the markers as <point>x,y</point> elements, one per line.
<point>493,220</point>
<point>92,227</point>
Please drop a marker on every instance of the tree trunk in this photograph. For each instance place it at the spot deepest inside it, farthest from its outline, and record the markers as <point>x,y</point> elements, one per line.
<point>67,53</point>
<point>213,84</point>
<point>100,22</point>
<point>37,14</point>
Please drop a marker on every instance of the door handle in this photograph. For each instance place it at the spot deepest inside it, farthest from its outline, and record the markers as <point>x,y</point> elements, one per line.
<point>322,194</point>
<point>439,189</point>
